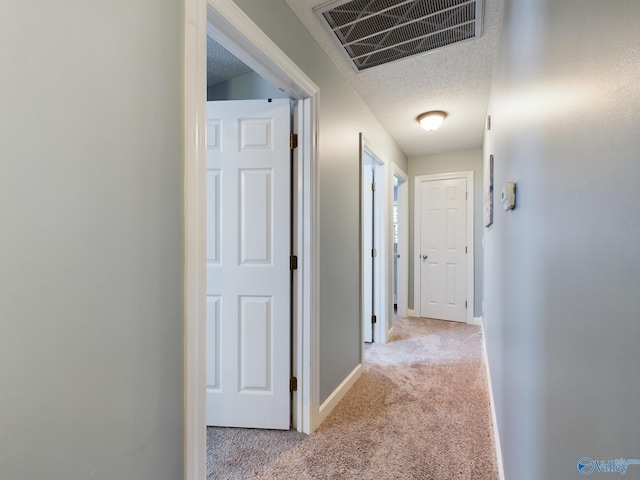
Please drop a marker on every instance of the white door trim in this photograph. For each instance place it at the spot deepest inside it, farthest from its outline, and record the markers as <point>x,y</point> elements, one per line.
<point>224,20</point>
<point>195,98</point>
<point>403,237</point>
<point>470,267</point>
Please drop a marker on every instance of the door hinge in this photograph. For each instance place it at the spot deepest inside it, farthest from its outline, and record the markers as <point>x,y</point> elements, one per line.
<point>465,250</point>
<point>293,262</point>
<point>374,253</point>
<point>465,304</point>
<point>293,141</point>
<point>374,319</point>
<point>466,195</point>
<point>373,187</point>
<point>293,384</point>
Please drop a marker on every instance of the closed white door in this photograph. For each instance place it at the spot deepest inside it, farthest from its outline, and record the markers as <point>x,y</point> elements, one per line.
<point>443,220</point>
<point>248,270</point>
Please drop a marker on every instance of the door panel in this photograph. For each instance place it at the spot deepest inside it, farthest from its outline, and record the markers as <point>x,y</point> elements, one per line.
<point>256,372</point>
<point>214,204</point>
<point>248,276</point>
<point>213,342</point>
<point>256,209</point>
<point>442,249</point>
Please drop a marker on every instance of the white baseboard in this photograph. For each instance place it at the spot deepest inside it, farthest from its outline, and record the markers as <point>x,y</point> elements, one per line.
<point>330,403</point>
<point>476,321</point>
<point>411,313</point>
<point>496,435</point>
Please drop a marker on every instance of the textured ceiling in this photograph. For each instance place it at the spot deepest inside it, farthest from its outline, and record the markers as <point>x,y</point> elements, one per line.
<point>455,79</point>
<point>222,65</point>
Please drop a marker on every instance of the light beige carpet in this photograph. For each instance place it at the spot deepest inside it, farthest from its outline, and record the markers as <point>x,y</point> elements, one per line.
<point>420,410</point>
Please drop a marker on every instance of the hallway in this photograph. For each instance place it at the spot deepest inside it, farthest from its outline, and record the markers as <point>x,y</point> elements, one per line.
<point>419,411</point>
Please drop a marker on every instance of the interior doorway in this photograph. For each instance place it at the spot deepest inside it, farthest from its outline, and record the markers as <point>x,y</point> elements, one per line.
<point>375,291</point>
<point>249,244</point>
<point>396,254</point>
<point>401,241</point>
<point>231,27</point>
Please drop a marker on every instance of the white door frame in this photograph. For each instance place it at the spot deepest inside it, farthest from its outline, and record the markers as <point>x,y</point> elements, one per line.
<point>469,275</point>
<point>231,27</point>
<point>382,215</point>
<point>403,240</point>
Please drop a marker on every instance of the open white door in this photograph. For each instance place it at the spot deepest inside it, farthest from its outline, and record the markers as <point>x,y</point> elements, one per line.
<point>442,244</point>
<point>248,270</point>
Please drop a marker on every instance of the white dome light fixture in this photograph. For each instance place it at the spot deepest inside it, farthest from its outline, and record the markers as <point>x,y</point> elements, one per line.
<point>431,121</point>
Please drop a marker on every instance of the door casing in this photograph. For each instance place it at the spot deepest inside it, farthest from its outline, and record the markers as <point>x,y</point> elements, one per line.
<point>230,26</point>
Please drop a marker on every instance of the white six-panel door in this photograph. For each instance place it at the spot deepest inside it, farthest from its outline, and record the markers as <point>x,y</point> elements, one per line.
<point>442,249</point>
<point>248,270</point>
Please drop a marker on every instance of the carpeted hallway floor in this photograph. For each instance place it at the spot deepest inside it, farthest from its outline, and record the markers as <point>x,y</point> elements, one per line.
<point>420,410</point>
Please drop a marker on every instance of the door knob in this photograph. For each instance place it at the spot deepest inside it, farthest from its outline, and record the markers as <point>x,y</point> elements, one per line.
<point>424,257</point>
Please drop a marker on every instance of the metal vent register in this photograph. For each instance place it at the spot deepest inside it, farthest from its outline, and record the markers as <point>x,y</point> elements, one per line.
<point>375,32</point>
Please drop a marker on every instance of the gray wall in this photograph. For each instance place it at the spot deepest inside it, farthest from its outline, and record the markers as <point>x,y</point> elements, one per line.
<point>91,282</point>
<point>249,86</point>
<point>562,271</point>
<point>465,160</point>
<point>342,116</point>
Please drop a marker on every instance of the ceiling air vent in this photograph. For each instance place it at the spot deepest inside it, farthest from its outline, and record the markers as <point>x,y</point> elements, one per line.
<point>375,32</point>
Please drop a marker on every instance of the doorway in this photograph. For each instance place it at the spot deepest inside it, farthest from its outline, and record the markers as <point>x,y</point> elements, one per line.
<point>401,241</point>
<point>396,255</point>
<point>375,292</point>
<point>227,24</point>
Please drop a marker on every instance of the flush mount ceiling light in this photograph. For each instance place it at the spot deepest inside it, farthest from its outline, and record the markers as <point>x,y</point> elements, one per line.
<point>431,121</point>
